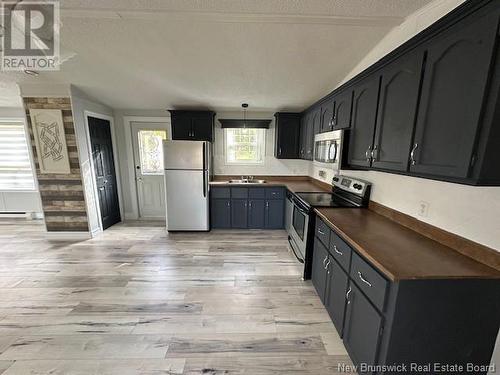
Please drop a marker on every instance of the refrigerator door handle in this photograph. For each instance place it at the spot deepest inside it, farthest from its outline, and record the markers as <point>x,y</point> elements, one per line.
<point>204,171</point>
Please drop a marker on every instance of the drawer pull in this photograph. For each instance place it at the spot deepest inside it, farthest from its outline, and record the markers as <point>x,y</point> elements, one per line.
<point>347,295</point>
<point>337,251</point>
<point>326,267</point>
<point>324,260</point>
<point>363,279</point>
<point>321,232</point>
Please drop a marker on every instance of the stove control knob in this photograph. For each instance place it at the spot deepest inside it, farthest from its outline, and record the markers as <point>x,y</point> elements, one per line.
<point>357,186</point>
<point>336,179</point>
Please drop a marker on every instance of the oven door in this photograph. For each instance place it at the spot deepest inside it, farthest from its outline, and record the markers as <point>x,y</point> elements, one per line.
<point>298,232</point>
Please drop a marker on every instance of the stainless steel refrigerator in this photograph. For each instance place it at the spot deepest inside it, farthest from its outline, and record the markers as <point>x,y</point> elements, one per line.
<point>187,172</point>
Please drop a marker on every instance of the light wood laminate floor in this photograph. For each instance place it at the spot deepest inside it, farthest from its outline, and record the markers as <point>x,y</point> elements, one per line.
<point>136,300</point>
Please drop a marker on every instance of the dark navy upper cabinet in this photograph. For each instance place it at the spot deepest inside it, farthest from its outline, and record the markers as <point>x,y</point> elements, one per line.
<point>397,109</point>
<point>192,125</point>
<point>364,110</point>
<point>307,124</point>
<point>342,110</point>
<point>287,135</point>
<point>431,107</point>
<point>327,115</point>
<point>453,90</point>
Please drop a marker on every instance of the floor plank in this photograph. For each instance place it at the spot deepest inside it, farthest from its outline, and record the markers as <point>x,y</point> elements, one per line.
<point>137,300</point>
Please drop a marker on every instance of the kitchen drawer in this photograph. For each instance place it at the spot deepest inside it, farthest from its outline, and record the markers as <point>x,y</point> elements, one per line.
<point>340,251</point>
<point>257,193</point>
<point>220,192</point>
<point>323,232</point>
<point>275,193</point>
<point>369,281</point>
<point>239,193</point>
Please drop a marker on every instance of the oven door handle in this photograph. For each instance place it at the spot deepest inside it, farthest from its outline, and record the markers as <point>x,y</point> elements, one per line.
<point>293,250</point>
<point>295,205</point>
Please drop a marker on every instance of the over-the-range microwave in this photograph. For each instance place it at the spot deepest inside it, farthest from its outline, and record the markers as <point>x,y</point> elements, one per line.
<point>327,147</point>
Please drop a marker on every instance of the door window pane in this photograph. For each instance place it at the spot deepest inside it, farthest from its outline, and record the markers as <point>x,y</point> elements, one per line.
<point>151,151</point>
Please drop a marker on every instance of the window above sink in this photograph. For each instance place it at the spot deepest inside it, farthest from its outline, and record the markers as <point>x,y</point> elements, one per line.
<point>244,146</point>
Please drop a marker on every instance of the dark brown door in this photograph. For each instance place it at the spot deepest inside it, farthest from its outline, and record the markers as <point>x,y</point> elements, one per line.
<point>102,154</point>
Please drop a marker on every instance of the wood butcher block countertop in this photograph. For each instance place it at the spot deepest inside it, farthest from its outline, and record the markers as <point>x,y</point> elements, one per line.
<point>399,252</point>
<point>293,184</point>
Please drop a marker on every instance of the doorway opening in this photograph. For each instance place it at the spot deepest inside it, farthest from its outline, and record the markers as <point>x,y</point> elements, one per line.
<point>147,144</point>
<point>104,170</point>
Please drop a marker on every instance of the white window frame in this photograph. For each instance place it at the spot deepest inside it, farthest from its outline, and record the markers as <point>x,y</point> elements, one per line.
<point>21,121</point>
<point>255,163</point>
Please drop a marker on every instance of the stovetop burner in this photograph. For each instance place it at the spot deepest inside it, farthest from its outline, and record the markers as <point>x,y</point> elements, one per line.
<point>346,192</point>
<point>324,200</point>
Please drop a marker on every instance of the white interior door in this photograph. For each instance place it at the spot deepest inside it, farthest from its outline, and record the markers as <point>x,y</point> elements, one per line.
<point>148,159</point>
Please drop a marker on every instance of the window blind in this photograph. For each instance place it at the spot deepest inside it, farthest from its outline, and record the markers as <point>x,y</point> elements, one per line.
<point>15,166</point>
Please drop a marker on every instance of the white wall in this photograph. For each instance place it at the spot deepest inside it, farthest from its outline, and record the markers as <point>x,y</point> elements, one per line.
<point>271,166</point>
<point>81,105</point>
<point>19,201</point>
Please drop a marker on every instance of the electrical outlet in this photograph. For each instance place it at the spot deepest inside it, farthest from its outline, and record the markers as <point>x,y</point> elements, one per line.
<point>423,209</point>
<point>322,174</point>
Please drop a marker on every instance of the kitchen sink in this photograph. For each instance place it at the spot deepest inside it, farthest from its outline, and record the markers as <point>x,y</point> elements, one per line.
<point>247,181</point>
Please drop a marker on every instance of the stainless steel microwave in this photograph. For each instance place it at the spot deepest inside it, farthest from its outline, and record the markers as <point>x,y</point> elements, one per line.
<point>327,150</point>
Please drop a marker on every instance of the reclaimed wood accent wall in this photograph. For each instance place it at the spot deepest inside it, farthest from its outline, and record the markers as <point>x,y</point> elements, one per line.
<point>62,195</point>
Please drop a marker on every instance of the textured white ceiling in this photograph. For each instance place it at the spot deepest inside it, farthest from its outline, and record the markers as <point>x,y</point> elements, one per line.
<point>272,54</point>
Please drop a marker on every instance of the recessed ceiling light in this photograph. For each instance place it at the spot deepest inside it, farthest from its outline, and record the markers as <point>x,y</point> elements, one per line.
<point>31,73</point>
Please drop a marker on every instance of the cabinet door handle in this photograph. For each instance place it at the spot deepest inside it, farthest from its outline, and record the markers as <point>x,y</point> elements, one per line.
<point>250,204</point>
<point>412,154</point>
<point>321,232</point>
<point>363,279</point>
<point>324,260</point>
<point>327,264</point>
<point>374,153</point>
<point>101,188</point>
<point>246,204</point>
<point>267,205</point>
<point>347,295</point>
<point>279,151</point>
<point>368,153</point>
<point>228,204</point>
<point>337,251</point>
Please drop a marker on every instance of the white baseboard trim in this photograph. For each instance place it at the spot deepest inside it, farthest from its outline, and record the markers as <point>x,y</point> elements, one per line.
<point>69,236</point>
<point>130,216</point>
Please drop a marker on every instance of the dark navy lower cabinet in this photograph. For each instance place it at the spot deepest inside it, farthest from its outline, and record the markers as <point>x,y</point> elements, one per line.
<point>362,328</point>
<point>256,213</point>
<point>335,293</point>
<point>247,208</point>
<point>239,213</point>
<point>404,322</point>
<point>220,213</point>
<point>275,211</point>
<point>318,274</point>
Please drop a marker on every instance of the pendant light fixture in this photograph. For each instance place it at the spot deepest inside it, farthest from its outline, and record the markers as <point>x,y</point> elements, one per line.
<point>245,123</point>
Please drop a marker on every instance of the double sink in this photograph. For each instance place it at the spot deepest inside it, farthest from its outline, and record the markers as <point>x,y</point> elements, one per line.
<point>249,180</point>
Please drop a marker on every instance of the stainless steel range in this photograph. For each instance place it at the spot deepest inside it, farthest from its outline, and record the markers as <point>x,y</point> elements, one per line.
<point>346,192</point>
